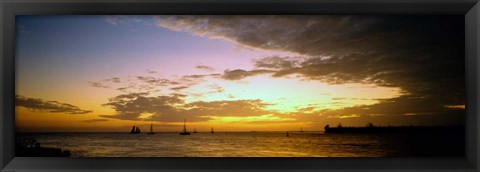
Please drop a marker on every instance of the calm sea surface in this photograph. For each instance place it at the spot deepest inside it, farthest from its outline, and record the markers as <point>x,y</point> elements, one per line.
<point>252,144</point>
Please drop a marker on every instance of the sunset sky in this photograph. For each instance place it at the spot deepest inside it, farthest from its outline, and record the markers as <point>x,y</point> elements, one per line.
<point>237,73</point>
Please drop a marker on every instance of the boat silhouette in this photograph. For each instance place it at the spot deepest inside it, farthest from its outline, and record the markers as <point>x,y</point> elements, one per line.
<point>370,128</point>
<point>195,130</point>
<point>301,129</point>
<point>151,129</point>
<point>135,130</point>
<point>185,128</point>
<point>212,131</point>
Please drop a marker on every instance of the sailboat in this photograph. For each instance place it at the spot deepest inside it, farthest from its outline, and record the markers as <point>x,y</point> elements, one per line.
<point>301,129</point>
<point>195,130</point>
<point>135,130</point>
<point>151,129</point>
<point>212,131</point>
<point>185,128</point>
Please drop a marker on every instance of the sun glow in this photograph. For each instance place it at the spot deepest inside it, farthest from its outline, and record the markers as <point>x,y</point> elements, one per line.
<point>145,115</point>
<point>268,118</point>
<point>288,95</point>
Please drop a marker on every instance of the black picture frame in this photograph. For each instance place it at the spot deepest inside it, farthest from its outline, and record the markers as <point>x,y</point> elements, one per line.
<point>10,8</point>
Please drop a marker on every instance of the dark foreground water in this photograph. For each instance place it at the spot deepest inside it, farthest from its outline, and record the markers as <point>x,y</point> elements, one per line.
<point>253,144</point>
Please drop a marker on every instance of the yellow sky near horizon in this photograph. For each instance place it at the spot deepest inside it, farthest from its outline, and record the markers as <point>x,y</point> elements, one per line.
<point>286,96</point>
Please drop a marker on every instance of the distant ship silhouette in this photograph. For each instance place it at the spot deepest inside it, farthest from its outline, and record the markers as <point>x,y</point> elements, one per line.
<point>151,129</point>
<point>370,128</point>
<point>185,128</point>
<point>135,130</point>
<point>195,130</point>
<point>301,129</point>
<point>212,131</point>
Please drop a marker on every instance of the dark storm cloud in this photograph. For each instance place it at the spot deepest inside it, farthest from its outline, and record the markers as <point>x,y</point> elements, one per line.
<point>172,108</point>
<point>344,48</point>
<point>303,34</point>
<point>49,106</point>
<point>422,55</point>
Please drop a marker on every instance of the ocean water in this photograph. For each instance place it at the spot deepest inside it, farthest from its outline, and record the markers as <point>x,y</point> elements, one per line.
<point>253,144</point>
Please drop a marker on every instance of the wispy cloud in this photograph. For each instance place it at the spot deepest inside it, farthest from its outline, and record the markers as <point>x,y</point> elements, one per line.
<point>216,88</point>
<point>114,80</point>
<point>156,81</point>
<point>96,120</point>
<point>179,88</point>
<point>345,116</point>
<point>141,82</point>
<point>151,71</point>
<point>419,113</point>
<point>98,85</point>
<point>116,20</point>
<point>113,20</point>
<point>239,74</point>
<point>206,68</point>
<point>49,106</point>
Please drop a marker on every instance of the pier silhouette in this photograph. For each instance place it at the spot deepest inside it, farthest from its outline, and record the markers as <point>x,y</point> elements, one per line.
<point>25,147</point>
